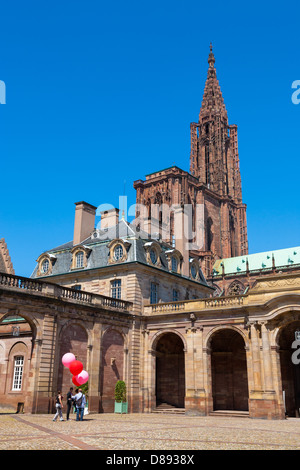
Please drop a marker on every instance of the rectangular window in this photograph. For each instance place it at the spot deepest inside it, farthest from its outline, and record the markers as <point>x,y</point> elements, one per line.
<point>116,289</point>
<point>175,295</point>
<point>153,293</point>
<point>79,259</point>
<point>18,373</point>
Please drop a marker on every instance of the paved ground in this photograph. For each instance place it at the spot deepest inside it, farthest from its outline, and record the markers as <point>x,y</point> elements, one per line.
<point>113,432</point>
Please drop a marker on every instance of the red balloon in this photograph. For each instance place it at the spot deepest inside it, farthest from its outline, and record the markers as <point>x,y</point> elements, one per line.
<point>75,381</point>
<point>75,367</point>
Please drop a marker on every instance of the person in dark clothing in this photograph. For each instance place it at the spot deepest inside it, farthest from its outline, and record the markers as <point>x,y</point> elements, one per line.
<point>69,402</point>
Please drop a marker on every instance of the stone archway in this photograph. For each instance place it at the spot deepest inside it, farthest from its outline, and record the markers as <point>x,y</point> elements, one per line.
<point>16,336</point>
<point>112,367</point>
<point>229,371</point>
<point>290,369</point>
<point>170,370</point>
<point>74,339</point>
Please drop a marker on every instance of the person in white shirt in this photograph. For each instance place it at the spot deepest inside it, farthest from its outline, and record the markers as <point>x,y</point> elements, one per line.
<point>80,402</point>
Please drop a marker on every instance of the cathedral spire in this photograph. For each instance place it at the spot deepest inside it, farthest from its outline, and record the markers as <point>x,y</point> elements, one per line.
<point>214,152</point>
<point>213,102</point>
<point>211,57</point>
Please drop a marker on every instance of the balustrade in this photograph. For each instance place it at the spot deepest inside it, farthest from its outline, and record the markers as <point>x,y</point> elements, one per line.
<point>55,290</point>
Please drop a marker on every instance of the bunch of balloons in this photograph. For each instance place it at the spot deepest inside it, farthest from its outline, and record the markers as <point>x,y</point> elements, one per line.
<point>80,376</point>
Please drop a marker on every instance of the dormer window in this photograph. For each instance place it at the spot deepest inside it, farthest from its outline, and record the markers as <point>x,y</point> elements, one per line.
<point>153,256</point>
<point>80,256</point>
<point>174,258</point>
<point>174,264</point>
<point>153,251</point>
<point>45,266</point>
<point>79,259</point>
<point>118,252</point>
<point>193,271</point>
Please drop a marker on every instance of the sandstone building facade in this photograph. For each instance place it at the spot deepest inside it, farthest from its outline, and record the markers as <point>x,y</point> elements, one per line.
<point>200,328</point>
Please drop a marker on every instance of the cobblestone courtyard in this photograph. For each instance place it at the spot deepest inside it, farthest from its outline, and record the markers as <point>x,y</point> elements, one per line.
<point>113,432</point>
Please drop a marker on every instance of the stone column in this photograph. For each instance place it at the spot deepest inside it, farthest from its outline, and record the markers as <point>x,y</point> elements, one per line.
<point>194,372</point>
<point>265,405</point>
<point>267,362</point>
<point>256,364</point>
<point>152,382</point>
<point>94,368</point>
<point>44,365</point>
<point>207,379</point>
<point>146,373</point>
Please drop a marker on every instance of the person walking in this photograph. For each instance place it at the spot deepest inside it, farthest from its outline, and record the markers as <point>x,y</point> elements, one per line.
<point>58,406</point>
<point>80,403</point>
<point>69,402</point>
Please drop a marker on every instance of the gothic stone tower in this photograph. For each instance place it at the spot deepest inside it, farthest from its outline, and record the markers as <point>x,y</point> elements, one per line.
<point>213,183</point>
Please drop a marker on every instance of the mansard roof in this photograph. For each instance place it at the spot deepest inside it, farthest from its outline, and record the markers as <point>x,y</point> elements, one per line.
<point>98,245</point>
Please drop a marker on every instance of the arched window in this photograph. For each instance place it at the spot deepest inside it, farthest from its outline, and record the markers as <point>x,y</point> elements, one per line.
<point>174,264</point>
<point>45,266</point>
<point>79,259</point>
<point>153,256</point>
<point>193,271</point>
<point>118,252</point>
<point>210,234</point>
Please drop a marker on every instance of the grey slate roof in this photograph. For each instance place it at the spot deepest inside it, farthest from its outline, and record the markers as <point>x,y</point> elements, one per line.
<point>99,251</point>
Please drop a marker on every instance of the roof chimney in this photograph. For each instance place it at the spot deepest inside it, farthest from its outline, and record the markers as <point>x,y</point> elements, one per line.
<point>84,221</point>
<point>109,218</point>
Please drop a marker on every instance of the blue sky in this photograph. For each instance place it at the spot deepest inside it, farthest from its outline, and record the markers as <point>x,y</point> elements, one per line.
<point>101,93</point>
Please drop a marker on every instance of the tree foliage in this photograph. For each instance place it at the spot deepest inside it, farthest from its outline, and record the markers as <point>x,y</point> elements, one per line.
<point>120,391</point>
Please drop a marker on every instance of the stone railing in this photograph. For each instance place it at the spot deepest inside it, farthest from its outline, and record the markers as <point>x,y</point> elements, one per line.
<point>10,280</point>
<point>167,307</point>
<point>65,293</point>
<point>229,301</point>
<point>196,305</point>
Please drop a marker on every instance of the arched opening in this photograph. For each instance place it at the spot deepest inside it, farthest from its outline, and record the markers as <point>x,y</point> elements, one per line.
<point>170,371</point>
<point>16,348</point>
<point>112,367</point>
<point>232,235</point>
<point>229,371</point>
<point>209,234</point>
<point>290,369</point>
<point>73,339</point>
